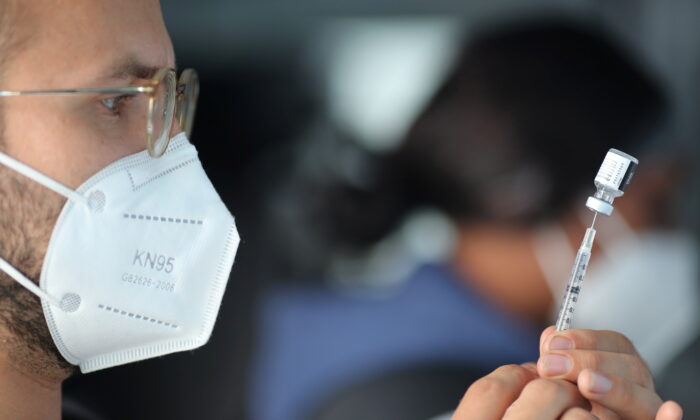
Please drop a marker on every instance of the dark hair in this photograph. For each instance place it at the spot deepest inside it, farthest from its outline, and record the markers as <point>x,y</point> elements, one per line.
<point>515,133</point>
<point>522,123</point>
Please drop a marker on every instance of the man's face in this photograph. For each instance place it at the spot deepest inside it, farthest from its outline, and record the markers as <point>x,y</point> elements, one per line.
<point>83,43</point>
<point>76,44</point>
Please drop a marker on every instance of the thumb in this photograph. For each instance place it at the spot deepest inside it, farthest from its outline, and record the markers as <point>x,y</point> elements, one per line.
<point>670,410</point>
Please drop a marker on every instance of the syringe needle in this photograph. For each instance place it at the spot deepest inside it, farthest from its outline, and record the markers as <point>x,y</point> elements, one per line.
<point>595,215</point>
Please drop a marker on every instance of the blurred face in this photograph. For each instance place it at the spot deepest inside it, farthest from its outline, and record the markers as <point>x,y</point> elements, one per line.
<point>91,43</point>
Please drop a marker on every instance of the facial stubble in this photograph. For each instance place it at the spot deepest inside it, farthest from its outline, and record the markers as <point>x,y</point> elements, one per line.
<point>28,213</point>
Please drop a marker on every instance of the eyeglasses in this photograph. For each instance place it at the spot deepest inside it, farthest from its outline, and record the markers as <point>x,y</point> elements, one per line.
<point>167,99</point>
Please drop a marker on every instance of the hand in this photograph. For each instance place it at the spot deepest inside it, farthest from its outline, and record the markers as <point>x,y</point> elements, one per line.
<point>515,392</point>
<point>539,392</point>
<point>608,372</point>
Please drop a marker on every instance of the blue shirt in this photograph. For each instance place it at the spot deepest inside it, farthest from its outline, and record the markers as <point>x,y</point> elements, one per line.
<point>313,342</point>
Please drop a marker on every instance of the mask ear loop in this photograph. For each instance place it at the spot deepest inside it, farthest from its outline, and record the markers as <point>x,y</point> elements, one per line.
<point>42,179</point>
<point>70,302</point>
<point>27,283</point>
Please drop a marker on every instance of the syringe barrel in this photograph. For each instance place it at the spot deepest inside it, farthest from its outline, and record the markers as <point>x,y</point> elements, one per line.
<point>588,238</point>
<point>573,287</point>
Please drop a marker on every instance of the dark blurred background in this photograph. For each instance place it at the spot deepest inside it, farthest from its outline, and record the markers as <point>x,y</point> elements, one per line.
<point>299,97</point>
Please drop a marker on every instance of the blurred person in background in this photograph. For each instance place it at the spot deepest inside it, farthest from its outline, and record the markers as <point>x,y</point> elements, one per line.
<point>507,149</point>
<point>510,156</point>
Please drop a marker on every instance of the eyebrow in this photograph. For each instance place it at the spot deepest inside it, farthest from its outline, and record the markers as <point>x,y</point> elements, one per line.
<point>131,69</point>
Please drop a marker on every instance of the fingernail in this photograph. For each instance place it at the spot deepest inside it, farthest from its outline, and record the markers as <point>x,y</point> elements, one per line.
<point>560,343</point>
<point>599,383</point>
<point>556,364</point>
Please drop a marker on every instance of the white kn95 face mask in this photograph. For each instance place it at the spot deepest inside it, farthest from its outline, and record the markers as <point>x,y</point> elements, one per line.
<point>138,260</point>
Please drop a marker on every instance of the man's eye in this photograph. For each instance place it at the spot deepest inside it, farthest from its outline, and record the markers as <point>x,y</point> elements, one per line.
<point>114,103</point>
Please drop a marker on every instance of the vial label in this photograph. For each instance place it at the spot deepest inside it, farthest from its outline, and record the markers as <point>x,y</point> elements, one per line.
<point>613,170</point>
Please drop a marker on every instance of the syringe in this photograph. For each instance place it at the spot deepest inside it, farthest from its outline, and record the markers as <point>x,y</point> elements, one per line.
<point>573,287</point>
<point>613,177</point>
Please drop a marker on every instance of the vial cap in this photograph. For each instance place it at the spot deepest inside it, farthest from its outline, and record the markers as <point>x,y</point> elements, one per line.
<point>599,206</point>
<point>617,170</point>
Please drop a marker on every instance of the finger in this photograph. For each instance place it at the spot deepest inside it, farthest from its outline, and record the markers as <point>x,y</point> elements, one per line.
<point>578,413</point>
<point>545,399</point>
<point>489,397</point>
<point>603,413</point>
<point>670,410</point>
<point>532,367</point>
<point>570,363</point>
<point>629,400</point>
<point>545,335</point>
<point>588,340</point>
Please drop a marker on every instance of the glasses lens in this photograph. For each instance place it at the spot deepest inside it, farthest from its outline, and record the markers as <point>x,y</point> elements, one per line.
<point>187,95</point>
<point>161,112</point>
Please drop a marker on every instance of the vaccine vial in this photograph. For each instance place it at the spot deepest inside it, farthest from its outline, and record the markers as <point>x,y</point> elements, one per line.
<point>611,181</point>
